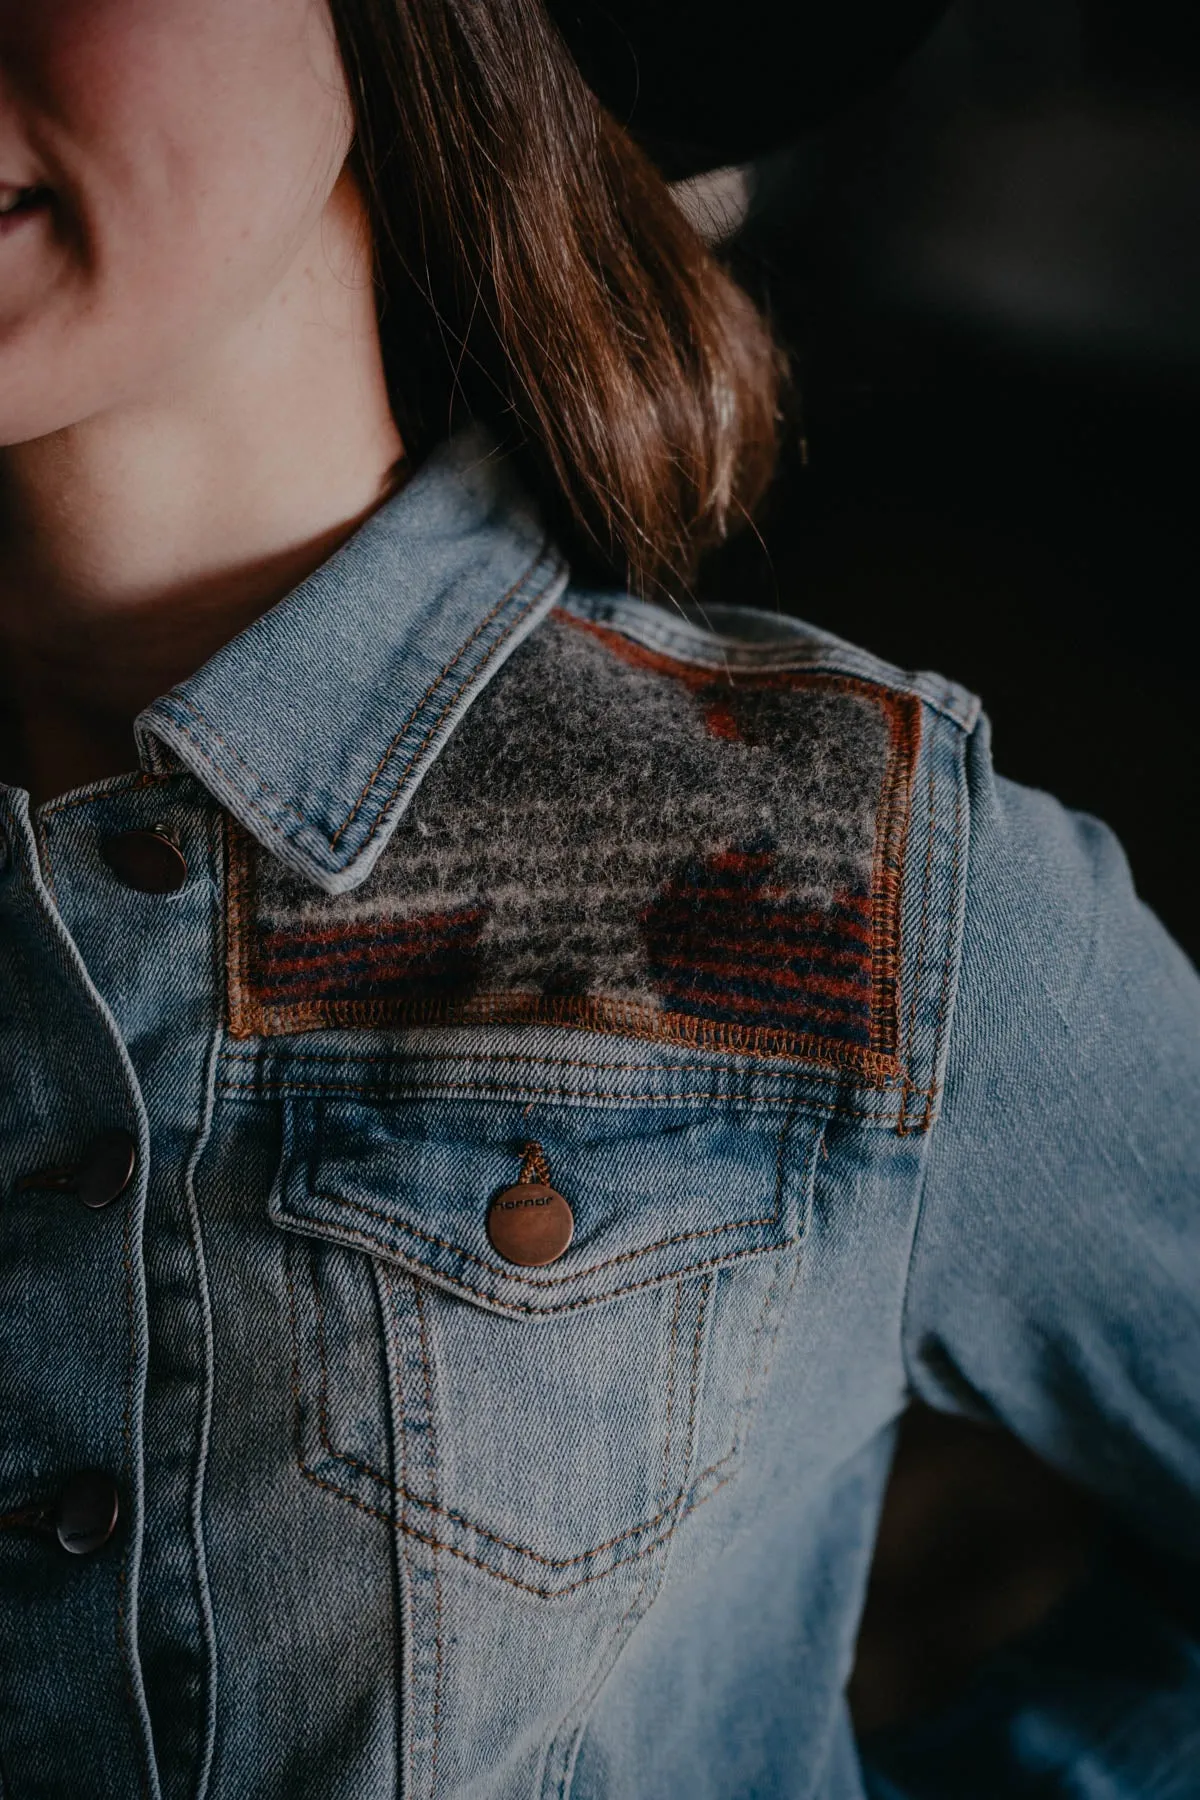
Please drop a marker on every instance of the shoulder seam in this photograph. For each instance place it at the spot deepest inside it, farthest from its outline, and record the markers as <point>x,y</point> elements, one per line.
<point>799,646</point>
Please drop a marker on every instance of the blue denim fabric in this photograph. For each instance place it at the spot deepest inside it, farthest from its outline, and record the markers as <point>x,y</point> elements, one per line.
<point>401,1518</point>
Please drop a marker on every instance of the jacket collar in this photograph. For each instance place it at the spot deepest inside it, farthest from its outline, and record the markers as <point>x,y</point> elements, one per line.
<point>315,726</point>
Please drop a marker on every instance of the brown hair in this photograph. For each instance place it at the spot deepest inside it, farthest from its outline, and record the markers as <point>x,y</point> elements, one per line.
<point>534,271</point>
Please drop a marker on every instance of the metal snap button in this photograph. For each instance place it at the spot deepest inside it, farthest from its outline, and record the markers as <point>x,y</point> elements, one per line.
<point>106,1168</point>
<point>86,1514</point>
<point>102,1173</point>
<point>150,861</point>
<point>530,1224</point>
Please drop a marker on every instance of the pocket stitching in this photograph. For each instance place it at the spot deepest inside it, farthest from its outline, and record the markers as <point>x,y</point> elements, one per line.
<point>527,1587</point>
<point>672,1358</point>
<point>626,1256</point>
<point>682,1506</point>
<point>408,1498</point>
<point>432,1453</point>
<point>551,1281</point>
<point>525,1306</point>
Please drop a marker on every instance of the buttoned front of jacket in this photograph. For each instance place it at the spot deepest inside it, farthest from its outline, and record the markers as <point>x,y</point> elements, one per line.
<point>469,887</point>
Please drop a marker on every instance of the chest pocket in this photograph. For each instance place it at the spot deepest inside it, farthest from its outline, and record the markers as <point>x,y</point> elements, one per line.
<point>546,1424</point>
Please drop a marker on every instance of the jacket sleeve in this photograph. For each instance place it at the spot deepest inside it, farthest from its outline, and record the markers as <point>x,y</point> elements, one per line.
<point>1054,1283</point>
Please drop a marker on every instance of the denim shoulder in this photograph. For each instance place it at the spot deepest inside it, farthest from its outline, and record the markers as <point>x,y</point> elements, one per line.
<point>729,831</point>
<point>1055,1276</point>
<point>1063,968</point>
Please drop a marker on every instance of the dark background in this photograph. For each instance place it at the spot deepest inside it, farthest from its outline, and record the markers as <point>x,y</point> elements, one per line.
<point>988,275</point>
<point>987,272</point>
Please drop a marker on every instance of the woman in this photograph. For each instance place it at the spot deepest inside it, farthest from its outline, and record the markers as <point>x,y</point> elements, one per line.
<point>508,1088</point>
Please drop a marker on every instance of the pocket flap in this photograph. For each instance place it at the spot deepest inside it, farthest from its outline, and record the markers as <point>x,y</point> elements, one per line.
<point>656,1192</point>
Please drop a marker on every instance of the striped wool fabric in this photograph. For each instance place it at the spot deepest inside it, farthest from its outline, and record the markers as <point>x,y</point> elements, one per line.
<point>724,944</point>
<point>388,957</point>
<point>623,840</point>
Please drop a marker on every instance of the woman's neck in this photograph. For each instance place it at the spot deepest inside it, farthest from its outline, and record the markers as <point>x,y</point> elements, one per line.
<point>136,542</point>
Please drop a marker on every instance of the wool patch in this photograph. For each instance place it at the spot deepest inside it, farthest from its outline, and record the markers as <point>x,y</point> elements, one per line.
<point>620,840</point>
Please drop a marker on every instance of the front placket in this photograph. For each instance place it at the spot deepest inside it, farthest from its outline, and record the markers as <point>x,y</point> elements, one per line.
<point>117,974</point>
<point>73,1349</point>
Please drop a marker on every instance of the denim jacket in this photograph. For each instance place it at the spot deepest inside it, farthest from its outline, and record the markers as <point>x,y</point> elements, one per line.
<point>500,1113</point>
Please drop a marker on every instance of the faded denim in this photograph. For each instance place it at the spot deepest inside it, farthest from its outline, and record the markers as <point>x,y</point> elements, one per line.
<point>399,1520</point>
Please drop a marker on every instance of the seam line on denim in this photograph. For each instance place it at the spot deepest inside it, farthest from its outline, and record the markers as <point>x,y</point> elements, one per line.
<point>922,941</point>
<point>457,1518</point>
<point>943,1001</point>
<point>667,642</point>
<point>348,1233</point>
<point>474,1089</point>
<point>545,1282</point>
<point>672,1351</point>
<point>133,784</point>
